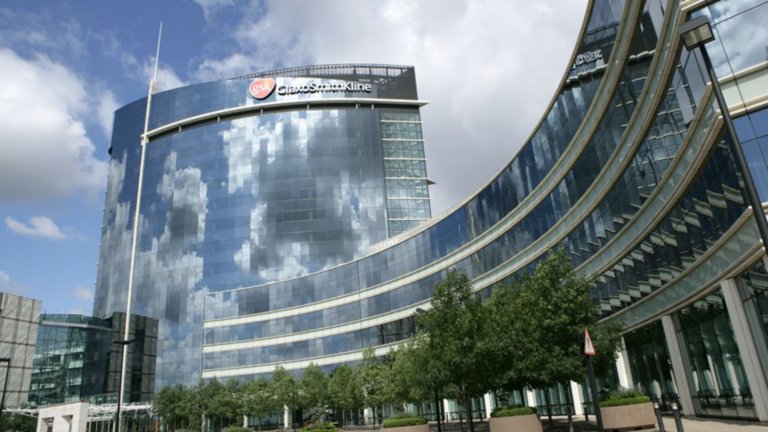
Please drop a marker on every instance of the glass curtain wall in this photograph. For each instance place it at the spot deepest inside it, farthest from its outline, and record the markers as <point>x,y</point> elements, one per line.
<point>650,364</point>
<point>719,384</point>
<point>754,290</point>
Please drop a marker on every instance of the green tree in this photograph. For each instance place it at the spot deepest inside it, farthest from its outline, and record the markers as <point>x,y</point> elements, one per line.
<point>345,392</point>
<point>455,348</point>
<point>411,377</point>
<point>258,399</point>
<point>226,404</point>
<point>284,389</point>
<point>313,390</point>
<point>373,375</point>
<point>539,324</point>
<point>169,404</point>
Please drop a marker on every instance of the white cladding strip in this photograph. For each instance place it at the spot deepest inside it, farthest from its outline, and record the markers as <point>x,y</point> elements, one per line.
<point>315,334</point>
<point>298,364</point>
<point>271,106</point>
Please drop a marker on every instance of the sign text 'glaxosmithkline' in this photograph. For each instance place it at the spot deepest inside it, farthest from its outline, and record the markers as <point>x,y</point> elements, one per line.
<point>336,87</point>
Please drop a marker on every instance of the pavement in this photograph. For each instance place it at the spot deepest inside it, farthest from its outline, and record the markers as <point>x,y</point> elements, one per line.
<point>693,424</point>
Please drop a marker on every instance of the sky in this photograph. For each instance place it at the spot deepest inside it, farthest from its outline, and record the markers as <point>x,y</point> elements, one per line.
<point>488,69</point>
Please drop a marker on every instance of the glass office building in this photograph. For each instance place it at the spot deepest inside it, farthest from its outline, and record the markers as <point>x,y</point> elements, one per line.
<point>253,180</point>
<point>630,170</point>
<point>76,358</point>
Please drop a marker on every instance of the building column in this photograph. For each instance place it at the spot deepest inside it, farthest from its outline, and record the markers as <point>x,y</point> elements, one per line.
<point>286,417</point>
<point>447,410</point>
<point>746,344</point>
<point>530,398</point>
<point>622,367</point>
<point>678,364</point>
<point>578,405</point>
<point>488,399</point>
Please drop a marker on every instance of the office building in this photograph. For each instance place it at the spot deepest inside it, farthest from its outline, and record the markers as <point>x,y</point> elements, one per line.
<point>258,179</point>
<point>18,331</point>
<point>630,170</point>
<point>76,359</point>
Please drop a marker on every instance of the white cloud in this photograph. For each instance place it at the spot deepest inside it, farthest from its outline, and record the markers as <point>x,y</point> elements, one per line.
<point>106,111</point>
<point>9,285</point>
<point>488,68</point>
<point>46,151</point>
<point>84,293</point>
<point>211,6</point>
<point>38,226</point>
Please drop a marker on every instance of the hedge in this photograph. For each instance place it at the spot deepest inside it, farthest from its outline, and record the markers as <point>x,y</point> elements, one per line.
<point>512,411</point>
<point>236,429</point>
<point>321,427</point>
<point>404,421</point>
<point>625,401</point>
<point>623,397</point>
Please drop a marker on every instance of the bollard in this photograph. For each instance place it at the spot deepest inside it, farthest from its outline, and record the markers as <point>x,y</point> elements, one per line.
<point>678,418</point>
<point>659,420</point>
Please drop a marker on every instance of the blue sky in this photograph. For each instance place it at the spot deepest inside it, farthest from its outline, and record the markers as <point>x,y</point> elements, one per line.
<point>488,69</point>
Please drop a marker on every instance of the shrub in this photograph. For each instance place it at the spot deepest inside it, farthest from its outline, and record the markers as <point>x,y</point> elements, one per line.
<point>321,427</point>
<point>623,397</point>
<point>404,420</point>
<point>512,411</point>
<point>235,429</point>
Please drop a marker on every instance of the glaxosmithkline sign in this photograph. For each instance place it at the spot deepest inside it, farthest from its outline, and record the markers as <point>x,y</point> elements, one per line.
<point>261,88</point>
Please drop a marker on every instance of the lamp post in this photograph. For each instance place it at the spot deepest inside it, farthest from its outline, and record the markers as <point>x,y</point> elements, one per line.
<point>123,345</point>
<point>7,361</point>
<point>695,33</point>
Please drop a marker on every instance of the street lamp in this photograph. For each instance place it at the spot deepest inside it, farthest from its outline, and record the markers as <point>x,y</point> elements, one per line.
<point>123,344</point>
<point>695,33</point>
<point>7,361</point>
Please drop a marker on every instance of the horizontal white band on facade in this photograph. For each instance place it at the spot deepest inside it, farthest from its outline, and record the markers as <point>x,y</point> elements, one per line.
<point>281,105</point>
<point>402,139</point>
<point>297,364</point>
<point>316,334</point>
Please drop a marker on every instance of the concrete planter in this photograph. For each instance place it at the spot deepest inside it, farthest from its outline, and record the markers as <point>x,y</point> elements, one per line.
<point>521,423</point>
<point>417,428</point>
<point>629,417</point>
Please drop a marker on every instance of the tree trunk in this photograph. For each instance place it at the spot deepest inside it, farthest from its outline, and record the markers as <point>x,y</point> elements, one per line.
<point>549,406</point>
<point>567,386</point>
<point>468,409</point>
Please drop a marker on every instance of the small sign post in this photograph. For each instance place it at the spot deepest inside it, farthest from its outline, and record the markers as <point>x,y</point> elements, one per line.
<point>589,351</point>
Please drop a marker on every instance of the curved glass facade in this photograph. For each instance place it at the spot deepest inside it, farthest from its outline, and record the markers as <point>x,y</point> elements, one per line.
<point>260,247</point>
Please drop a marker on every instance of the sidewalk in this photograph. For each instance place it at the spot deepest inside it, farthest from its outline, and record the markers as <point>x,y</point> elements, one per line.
<point>560,424</point>
<point>696,424</point>
<point>711,425</point>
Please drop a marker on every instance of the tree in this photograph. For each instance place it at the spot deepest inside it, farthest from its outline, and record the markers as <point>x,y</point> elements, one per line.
<point>373,374</point>
<point>169,404</point>
<point>258,399</point>
<point>411,379</point>
<point>539,324</point>
<point>344,391</point>
<point>283,388</point>
<point>227,404</point>
<point>313,390</point>
<point>456,348</point>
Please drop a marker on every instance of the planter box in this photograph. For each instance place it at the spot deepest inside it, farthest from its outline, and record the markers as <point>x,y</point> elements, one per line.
<point>522,423</point>
<point>629,417</point>
<point>417,428</point>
